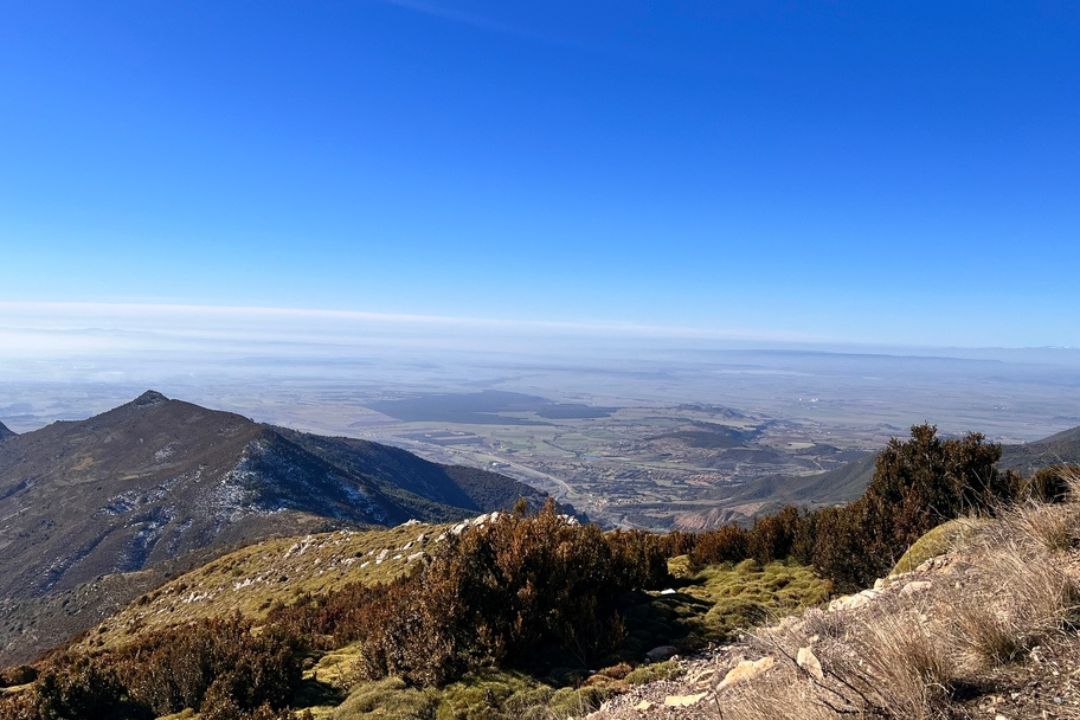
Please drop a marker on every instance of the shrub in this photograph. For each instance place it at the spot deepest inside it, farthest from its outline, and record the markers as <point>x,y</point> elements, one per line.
<point>528,591</point>
<point>18,675</point>
<point>80,690</point>
<point>729,543</point>
<point>213,660</point>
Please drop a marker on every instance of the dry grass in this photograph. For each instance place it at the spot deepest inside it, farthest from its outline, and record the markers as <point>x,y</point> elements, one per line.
<point>780,698</point>
<point>1039,590</point>
<point>887,665</point>
<point>986,637</point>
<point>830,625</point>
<point>250,580</point>
<point>899,669</point>
<point>1056,527</point>
<point>1011,585</point>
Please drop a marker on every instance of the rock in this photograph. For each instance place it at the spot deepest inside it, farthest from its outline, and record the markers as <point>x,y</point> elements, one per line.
<point>808,661</point>
<point>661,652</point>
<point>683,700</point>
<point>746,670</point>
<point>700,676</point>
<point>788,622</point>
<point>415,556</point>
<point>913,587</point>
<point>667,591</point>
<point>879,584</point>
<point>643,706</point>
<point>853,602</point>
<point>931,564</point>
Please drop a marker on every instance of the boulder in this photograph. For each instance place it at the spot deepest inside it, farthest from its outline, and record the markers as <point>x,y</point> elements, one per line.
<point>915,586</point>
<point>661,652</point>
<point>808,661</point>
<point>683,700</point>
<point>746,670</point>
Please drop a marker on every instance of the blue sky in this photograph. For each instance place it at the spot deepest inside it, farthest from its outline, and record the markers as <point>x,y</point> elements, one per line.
<point>862,171</point>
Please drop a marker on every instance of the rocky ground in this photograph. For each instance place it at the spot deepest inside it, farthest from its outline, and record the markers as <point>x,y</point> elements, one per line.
<point>986,630</point>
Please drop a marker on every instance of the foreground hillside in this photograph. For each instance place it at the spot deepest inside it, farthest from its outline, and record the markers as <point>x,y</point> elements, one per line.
<point>276,572</point>
<point>536,616</point>
<point>158,485</point>
<point>985,627</point>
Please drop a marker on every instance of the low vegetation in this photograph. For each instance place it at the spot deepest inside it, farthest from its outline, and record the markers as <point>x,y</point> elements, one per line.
<point>270,574</point>
<point>536,616</point>
<point>988,629</point>
<point>918,484</point>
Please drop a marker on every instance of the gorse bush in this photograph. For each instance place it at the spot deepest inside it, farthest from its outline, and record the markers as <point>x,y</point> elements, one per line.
<point>180,668</point>
<point>219,667</point>
<point>525,591</point>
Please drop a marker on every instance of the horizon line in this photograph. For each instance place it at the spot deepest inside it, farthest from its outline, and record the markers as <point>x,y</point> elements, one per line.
<point>628,329</point>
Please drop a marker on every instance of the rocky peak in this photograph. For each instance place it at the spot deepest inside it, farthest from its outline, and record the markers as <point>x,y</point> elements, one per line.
<point>150,397</point>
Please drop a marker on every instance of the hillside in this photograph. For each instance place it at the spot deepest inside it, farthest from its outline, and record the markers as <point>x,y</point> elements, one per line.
<point>279,570</point>
<point>522,615</point>
<point>5,432</point>
<point>848,481</point>
<point>312,580</point>
<point>156,479</point>
<point>1063,447</point>
<point>834,486</point>
<point>983,627</point>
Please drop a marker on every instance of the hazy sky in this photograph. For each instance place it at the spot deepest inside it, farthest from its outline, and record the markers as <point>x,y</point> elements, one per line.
<point>903,172</point>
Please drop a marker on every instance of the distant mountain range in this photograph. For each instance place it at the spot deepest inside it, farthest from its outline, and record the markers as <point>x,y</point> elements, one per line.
<point>1064,447</point>
<point>157,480</point>
<point>848,481</point>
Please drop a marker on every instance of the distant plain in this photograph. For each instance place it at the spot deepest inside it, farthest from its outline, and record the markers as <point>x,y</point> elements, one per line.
<point>651,438</point>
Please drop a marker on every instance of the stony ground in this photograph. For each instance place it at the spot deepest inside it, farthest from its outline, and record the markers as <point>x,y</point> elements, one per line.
<point>825,664</point>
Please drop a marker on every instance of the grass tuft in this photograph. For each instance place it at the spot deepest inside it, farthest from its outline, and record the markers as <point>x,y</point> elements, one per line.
<point>987,636</point>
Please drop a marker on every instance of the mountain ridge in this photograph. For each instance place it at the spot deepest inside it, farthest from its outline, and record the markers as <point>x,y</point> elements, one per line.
<point>846,482</point>
<point>157,479</point>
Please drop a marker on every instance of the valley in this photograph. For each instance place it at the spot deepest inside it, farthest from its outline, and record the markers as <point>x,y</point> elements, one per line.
<point>650,438</point>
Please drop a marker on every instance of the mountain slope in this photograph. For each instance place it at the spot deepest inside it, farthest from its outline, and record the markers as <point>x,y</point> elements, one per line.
<point>250,579</point>
<point>848,481</point>
<point>5,433</point>
<point>157,479</point>
<point>979,628</point>
<point>1064,447</point>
